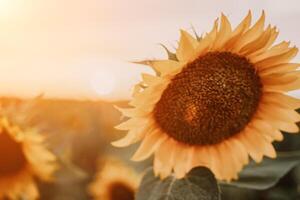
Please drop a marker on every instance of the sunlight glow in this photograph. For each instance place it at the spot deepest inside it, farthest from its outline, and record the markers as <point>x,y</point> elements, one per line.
<point>9,7</point>
<point>104,82</point>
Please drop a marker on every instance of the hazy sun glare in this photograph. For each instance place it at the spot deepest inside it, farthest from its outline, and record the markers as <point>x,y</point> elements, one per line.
<point>81,49</point>
<point>104,82</point>
<point>9,7</point>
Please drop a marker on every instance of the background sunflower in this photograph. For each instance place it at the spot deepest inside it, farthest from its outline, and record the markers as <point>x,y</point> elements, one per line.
<point>114,181</point>
<point>23,158</point>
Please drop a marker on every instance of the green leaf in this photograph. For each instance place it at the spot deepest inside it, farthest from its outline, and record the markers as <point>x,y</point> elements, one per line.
<point>199,38</point>
<point>198,184</point>
<point>171,55</point>
<point>266,174</point>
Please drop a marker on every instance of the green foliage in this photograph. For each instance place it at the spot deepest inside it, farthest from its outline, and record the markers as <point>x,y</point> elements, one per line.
<point>171,55</point>
<point>198,184</point>
<point>266,174</point>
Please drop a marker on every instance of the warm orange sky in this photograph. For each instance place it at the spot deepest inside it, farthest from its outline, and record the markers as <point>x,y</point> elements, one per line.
<point>81,49</point>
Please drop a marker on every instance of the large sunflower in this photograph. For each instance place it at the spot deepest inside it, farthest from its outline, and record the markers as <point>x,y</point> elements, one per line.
<point>217,100</point>
<point>114,181</point>
<point>22,158</point>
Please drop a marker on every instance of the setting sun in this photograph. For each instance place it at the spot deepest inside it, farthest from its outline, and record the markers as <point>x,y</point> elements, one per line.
<point>9,7</point>
<point>103,82</point>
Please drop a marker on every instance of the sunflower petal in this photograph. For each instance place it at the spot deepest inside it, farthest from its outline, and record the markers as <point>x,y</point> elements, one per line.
<point>131,123</point>
<point>206,43</point>
<point>285,115</point>
<point>230,172</point>
<point>239,30</point>
<point>267,130</point>
<point>150,143</point>
<point>165,67</point>
<point>282,100</point>
<point>273,51</point>
<point>224,34</point>
<point>251,34</point>
<point>279,79</point>
<point>253,145</point>
<point>258,43</point>
<point>273,35</point>
<point>133,112</point>
<point>136,90</point>
<point>180,160</point>
<point>278,59</point>
<point>294,85</point>
<point>149,96</point>
<point>186,48</point>
<point>281,68</point>
<point>166,156</point>
<point>290,127</point>
<point>133,136</point>
<point>151,80</point>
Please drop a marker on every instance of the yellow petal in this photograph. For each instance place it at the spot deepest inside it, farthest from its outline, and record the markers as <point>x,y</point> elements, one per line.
<point>243,154</point>
<point>282,100</point>
<point>206,43</point>
<point>279,79</point>
<point>165,67</point>
<point>133,136</point>
<point>278,59</point>
<point>229,160</point>
<point>253,145</point>
<point>224,34</point>
<point>190,158</point>
<point>281,68</point>
<point>180,160</point>
<point>136,89</point>
<point>273,35</point>
<point>269,150</point>
<point>273,51</point>
<point>150,143</point>
<point>234,158</point>
<point>131,123</point>
<point>239,30</point>
<point>133,112</point>
<point>266,130</point>
<point>263,145</point>
<point>151,80</point>
<point>186,47</point>
<point>290,127</point>
<point>278,136</point>
<point>251,34</point>
<point>294,85</point>
<point>215,164</point>
<point>149,96</point>
<point>281,114</point>
<point>165,155</point>
<point>258,43</point>
<point>202,157</point>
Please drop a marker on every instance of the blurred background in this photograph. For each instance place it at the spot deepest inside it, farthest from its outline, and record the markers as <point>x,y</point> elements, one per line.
<point>78,55</point>
<point>82,49</point>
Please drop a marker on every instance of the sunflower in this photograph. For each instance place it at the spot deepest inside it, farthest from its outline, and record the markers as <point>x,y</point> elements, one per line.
<point>114,181</point>
<point>218,100</point>
<point>22,158</point>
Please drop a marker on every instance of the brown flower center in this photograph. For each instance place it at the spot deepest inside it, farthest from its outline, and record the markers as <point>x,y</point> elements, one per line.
<point>12,158</point>
<point>120,191</point>
<point>211,99</point>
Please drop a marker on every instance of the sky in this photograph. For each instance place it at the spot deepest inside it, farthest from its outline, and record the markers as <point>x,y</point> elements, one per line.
<point>83,49</point>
